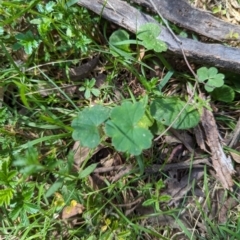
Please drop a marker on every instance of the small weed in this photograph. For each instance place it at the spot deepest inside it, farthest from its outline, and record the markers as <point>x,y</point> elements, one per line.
<point>89,89</point>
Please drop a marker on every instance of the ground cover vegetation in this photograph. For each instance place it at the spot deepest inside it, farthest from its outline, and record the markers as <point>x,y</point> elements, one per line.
<point>104,135</point>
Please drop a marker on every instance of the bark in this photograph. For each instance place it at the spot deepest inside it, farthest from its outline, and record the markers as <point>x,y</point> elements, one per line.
<point>128,17</point>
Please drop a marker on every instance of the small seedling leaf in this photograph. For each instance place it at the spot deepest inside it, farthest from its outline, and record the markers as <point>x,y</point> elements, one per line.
<point>87,93</point>
<point>127,135</point>
<point>148,202</point>
<point>166,111</point>
<point>96,92</point>
<point>87,123</point>
<point>164,198</point>
<point>87,171</point>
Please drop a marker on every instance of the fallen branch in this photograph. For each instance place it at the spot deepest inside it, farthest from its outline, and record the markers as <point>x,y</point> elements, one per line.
<point>201,22</point>
<point>126,16</point>
<point>221,163</point>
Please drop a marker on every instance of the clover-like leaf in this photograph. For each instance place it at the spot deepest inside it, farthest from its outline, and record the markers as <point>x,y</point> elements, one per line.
<point>214,79</point>
<point>127,135</point>
<point>202,74</point>
<point>86,125</point>
<point>148,33</point>
<point>166,111</point>
<point>213,83</point>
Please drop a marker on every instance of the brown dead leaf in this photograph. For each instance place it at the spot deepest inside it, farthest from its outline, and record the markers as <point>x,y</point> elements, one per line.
<point>82,153</point>
<point>235,156</point>
<point>199,135</point>
<point>141,53</point>
<point>221,163</point>
<point>73,210</point>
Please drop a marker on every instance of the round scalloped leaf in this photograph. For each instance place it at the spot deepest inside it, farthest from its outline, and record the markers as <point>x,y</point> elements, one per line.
<point>160,46</point>
<point>223,94</point>
<point>166,110</point>
<point>123,128</point>
<point>86,125</point>
<point>148,31</point>
<point>155,44</point>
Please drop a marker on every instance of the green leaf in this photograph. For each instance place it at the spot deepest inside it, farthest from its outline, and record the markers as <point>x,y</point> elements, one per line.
<point>146,121</point>
<point>49,6</point>
<point>95,92</point>
<point>6,176</point>
<point>82,89</point>
<point>148,202</point>
<point>30,208</point>
<point>86,125</point>
<point>157,128</point>
<point>91,83</point>
<point>28,48</point>
<point>212,71</point>
<point>5,196</point>
<point>1,30</point>
<point>214,83</point>
<point>236,85</point>
<point>148,33</point>
<point>123,127</point>
<point>58,184</point>
<point>164,198</point>
<point>166,110</point>
<point>202,74</point>
<point>87,93</point>
<point>69,3</point>
<point>87,171</point>
<point>29,162</point>
<point>223,94</point>
<point>214,79</point>
<point>15,212</point>
<point>36,21</point>
<point>118,37</point>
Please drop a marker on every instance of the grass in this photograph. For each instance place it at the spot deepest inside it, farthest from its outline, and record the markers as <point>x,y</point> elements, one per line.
<point>42,195</point>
